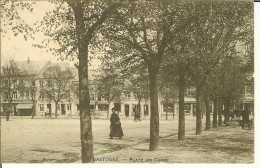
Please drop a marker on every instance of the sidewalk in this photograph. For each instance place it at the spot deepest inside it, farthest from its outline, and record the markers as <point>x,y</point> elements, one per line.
<point>227,144</point>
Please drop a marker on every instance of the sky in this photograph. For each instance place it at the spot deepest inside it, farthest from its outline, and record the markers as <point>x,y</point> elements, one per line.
<point>15,47</point>
<point>19,49</point>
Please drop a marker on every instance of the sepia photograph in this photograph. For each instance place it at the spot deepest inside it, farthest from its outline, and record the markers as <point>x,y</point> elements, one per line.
<point>114,81</point>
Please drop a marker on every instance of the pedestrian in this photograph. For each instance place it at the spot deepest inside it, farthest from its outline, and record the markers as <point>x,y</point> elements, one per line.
<point>48,112</point>
<point>126,113</point>
<point>115,126</point>
<point>245,119</point>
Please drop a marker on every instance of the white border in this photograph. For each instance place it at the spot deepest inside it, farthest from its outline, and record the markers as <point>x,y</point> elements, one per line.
<point>257,133</point>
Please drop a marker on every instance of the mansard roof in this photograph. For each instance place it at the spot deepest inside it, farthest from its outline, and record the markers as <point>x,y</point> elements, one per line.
<point>38,67</point>
<point>33,67</point>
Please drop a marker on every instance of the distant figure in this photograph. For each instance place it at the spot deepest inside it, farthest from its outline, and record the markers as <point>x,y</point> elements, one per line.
<point>224,112</point>
<point>245,119</point>
<point>232,115</point>
<point>115,126</point>
<point>126,113</point>
<point>137,117</point>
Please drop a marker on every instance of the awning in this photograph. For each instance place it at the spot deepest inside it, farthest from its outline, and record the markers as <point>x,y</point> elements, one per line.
<point>24,106</point>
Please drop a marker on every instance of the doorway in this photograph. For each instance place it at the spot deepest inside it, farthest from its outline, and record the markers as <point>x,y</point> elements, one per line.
<point>127,110</point>
<point>49,107</point>
<point>63,111</point>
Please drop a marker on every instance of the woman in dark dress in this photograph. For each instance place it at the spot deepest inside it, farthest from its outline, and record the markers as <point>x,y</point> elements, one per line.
<point>115,126</point>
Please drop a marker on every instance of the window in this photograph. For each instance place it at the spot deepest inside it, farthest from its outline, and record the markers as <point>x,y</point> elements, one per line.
<point>68,107</point>
<point>187,108</point>
<point>33,83</point>
<point>103,99</point>
<point>127,96</point>
<point>92,107</point>
<point>41,84</point>
<point>27,94</point>
<point>146,113</point>
<point>118,107</point>
<point>41,107</point>
<point>15,84</point>
<point>135,96</point>
<point>41,96</point>
<point>103,107</point>
<point>33,96</point>
<point>92,97</point>
<point>49,83</point>
<point>19,89</point>
<point>58,107</point>
<point>15,96</point>
<point>77,107</point>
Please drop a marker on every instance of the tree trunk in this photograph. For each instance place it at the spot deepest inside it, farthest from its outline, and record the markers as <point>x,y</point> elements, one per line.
<point>154,119</point>
<point>166,114</point>
<point>8,115</point>
<point>10,100</point>
<point>166,109</point>
<point>70,111</point>
<point>227,111</point>
<point>56,109</point>
<point>33,110</point>
<point>108,110</point>
<point>207,112</point>
<point>84,99</point>
<point>198,111</point>
<point>220,112</point>
<point>9,112</point>
<point>215,113</point>
<point>85,117</point>
<point>202,106</point>
<point>139,108</point>
<point>173,109</point>
<point>181,130</point>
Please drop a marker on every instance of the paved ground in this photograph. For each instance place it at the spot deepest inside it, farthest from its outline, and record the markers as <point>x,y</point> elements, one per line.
<point>57,141</point>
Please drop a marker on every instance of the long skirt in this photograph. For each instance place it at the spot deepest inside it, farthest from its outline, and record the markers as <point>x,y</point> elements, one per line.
<point>116,130</point>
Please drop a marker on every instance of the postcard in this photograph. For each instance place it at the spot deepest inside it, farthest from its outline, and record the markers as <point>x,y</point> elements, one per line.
<point>137,82</point>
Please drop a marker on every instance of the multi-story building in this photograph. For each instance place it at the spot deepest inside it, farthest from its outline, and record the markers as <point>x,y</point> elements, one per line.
<point>128,104</point>
<point>23,99</point>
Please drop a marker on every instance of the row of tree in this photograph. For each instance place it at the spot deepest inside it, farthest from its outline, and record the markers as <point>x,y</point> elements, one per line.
<point>54,84</point>
<point>204,44</point>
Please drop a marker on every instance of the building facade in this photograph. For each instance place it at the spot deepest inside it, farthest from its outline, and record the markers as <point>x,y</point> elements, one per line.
<point>127,106</point>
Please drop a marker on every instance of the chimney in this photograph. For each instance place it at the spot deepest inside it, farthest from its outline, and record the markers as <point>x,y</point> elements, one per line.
<point>28,60</point>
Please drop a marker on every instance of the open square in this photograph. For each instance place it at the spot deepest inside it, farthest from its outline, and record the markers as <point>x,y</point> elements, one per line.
<point>57,141</point>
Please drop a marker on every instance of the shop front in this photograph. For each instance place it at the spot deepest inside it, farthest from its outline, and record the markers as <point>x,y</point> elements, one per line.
<point>24,109</point>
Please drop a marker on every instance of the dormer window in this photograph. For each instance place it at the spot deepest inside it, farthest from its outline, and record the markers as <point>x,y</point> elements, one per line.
<point>41,83</point>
